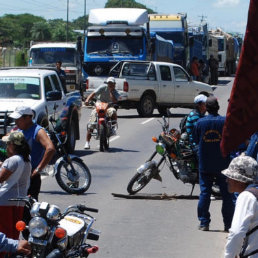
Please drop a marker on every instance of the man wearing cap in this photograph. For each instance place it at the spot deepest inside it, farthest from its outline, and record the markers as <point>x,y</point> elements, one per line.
<point>42,148</point>
<point>104,93</point>
<point>207,134</point>
<point>243,235</point>
<point>195,114</point>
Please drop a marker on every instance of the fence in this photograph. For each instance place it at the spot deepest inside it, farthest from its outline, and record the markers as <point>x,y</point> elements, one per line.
<point>12,57</point>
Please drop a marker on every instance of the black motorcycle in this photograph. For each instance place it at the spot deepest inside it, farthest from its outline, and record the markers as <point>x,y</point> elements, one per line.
<point>174,149</point>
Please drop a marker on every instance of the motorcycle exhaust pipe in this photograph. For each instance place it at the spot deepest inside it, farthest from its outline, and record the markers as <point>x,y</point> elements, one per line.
<point>92,250</point>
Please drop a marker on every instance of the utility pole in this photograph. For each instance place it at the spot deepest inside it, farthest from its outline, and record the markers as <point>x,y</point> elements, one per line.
<point>67,20</point>
<point>84,26</point>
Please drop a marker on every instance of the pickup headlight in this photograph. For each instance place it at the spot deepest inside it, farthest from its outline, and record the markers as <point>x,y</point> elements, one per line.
<point>38,227</point>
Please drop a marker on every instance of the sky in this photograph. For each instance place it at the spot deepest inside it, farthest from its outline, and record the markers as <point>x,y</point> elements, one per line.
<point>230,15</point>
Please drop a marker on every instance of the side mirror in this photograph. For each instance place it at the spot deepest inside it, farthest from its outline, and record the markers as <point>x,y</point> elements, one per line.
<point>53,95</point>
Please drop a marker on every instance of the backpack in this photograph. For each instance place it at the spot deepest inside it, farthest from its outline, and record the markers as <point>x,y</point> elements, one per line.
<point>182,124</point>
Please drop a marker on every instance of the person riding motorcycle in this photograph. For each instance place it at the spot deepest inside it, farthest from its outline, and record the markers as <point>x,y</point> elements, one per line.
<point>104,93</point>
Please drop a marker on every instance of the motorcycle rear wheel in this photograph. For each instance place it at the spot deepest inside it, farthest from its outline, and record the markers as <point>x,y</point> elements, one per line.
<point>103,138</point>
<point>139,181</point>
<point>65,179</point>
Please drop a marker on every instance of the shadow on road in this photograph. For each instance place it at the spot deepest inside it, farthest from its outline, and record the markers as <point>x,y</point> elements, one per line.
<point>62,193</point>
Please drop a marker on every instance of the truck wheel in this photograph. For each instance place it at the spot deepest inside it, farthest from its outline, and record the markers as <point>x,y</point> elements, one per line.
<point>71,138</point>
<point>146,106</point>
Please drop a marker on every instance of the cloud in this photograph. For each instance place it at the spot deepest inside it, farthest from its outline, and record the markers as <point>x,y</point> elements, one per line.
<point>226,3</point>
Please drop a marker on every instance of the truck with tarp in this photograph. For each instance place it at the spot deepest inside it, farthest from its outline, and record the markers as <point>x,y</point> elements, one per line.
<point>173,27</point>
<point>115,34</point>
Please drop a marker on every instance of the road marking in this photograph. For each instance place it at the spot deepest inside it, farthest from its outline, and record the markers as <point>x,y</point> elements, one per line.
<point>114,138</point>
<point>147,121</point>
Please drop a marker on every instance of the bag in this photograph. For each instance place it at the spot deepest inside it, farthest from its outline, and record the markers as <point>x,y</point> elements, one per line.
<point>182,124</point>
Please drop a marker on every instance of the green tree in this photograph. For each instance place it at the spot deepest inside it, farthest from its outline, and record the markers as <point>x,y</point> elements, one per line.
<point>78,24</point>
<point>40,31</point>
<point>126,4</point>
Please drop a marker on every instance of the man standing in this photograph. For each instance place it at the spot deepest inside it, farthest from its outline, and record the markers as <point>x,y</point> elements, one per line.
<point>242,178</point>
<point>104,93</point>
<point>207,134</point>
<point>195,68</point>
<point>213,65</point>
<point>42,148</point>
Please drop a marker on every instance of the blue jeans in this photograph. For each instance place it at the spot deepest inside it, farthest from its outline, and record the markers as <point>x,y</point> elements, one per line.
<point>206,181</point>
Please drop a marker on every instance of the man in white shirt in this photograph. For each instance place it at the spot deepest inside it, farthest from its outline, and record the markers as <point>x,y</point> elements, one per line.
<point>243,234</point>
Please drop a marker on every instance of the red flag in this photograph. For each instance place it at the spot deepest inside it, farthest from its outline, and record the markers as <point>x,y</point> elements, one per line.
<point>242,113</point>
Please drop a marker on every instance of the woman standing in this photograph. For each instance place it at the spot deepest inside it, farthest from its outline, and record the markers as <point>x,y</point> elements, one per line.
<point>14,182</point>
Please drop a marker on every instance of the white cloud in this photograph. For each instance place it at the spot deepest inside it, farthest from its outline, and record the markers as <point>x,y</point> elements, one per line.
<point>226,3</point>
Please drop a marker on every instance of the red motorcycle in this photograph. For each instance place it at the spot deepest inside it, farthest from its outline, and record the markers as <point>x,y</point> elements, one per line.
<point>104,127</point>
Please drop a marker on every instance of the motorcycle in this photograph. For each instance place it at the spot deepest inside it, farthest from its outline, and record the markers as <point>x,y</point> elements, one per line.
<point>53,234</point>
<point>71,173</point>
<point>174,149</point>
<point>103,128</point>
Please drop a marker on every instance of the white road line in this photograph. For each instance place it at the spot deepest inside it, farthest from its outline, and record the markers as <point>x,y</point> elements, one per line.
<point>147,121</point>
<point>114,138</point>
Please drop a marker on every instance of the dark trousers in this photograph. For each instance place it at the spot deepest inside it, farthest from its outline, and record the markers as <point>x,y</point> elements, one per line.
<point>35,184</point>
<point>206,181</point>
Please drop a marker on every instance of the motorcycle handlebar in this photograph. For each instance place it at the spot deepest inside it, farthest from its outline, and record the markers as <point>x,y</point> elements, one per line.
<point>27,199</point>
<point>84,208</point>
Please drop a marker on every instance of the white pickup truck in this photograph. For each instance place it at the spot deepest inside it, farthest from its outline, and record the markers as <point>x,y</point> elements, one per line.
<point>146,85</point>
<point>40,89</point>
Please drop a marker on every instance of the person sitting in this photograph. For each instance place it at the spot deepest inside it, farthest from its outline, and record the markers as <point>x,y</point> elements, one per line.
<point>104,93</point>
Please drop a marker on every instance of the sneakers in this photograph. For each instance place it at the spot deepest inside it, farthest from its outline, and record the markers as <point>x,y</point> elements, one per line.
<point>87,146</point>
<point>203,228</point>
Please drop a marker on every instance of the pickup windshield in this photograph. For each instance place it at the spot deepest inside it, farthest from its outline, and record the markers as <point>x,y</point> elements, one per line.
<point>41,56</point>
<point>113,46</point>
<point>19,87</point>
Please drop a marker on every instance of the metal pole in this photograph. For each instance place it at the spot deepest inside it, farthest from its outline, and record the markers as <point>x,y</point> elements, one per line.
<point>84,26</point>
<point>67,20</point>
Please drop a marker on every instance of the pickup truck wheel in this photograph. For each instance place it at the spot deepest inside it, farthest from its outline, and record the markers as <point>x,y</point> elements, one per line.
<point>71,138</point>
<point>146,105</point>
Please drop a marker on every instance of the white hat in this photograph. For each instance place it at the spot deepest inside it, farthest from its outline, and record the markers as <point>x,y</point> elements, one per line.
<point>111,79</point>
<point>200,99</point>
<point>20,111</point>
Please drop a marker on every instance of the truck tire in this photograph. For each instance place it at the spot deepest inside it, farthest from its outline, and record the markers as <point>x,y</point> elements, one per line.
<point>146,106</point>
<point>71,137</point>
<point>162,110</point>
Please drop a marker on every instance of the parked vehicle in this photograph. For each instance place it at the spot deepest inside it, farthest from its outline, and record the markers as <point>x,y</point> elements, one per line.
<point>70,171</point>
<point>42,90</point>
<point>148,85</point>
<point>174,150</point>
<point>69,53</point>
<point>53,234</point>
<point>104,127</point>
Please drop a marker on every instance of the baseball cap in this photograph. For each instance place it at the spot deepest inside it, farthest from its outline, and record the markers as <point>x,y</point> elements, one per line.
<point>212,103</point>
<point>20,111</point>
<point>200,99</point>
<point>111,79</point>
<point>242,168</point>
<point>16,138</point>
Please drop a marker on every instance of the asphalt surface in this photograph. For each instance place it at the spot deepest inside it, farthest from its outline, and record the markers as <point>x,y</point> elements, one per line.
<point>142,227</point>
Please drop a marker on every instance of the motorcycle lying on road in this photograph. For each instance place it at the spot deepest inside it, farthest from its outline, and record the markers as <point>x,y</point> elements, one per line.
<point>53,234</point>
<point>174,149</point>
<point>103,128</point>
<point>71,173</point>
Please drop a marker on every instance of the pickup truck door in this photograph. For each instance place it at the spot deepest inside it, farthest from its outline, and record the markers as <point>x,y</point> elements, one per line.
<point>184,93</point>
<point>166,88</point>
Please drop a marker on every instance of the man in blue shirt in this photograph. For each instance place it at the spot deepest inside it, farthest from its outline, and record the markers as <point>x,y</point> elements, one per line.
<point>9,245</point>
<point>207,134</point>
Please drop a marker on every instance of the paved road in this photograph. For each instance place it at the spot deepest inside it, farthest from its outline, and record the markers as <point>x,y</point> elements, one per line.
<point>142,228</point>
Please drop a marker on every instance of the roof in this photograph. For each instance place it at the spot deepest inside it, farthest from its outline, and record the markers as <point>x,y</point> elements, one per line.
<point>33,72</point>
<point>133,16</point>
<point>54,45</point>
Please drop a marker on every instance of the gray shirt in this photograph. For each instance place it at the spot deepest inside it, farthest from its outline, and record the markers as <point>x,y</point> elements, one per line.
<point>18,182</point>
<point>102,94</point>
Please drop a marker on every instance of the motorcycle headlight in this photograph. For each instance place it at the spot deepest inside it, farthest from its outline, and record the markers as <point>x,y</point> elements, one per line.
<point>160,148</point>
<point>38,227</point>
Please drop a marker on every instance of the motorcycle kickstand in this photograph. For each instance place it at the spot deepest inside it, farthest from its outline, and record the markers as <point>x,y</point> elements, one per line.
<point>192,189</point>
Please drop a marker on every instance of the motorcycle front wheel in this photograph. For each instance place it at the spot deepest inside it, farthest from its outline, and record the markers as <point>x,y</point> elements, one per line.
<point>139,181</point>
<point>73,177</point>
<point>103,138</point>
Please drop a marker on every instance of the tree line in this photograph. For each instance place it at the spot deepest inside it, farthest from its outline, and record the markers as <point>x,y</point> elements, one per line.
<point>18,30</point>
